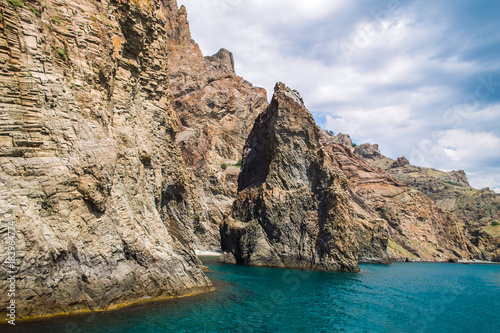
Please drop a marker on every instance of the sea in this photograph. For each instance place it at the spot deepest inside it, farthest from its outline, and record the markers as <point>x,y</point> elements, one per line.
<point>400,297</point>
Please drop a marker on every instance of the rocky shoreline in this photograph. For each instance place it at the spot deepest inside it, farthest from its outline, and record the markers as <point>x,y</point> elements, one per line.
<point>125,153</point>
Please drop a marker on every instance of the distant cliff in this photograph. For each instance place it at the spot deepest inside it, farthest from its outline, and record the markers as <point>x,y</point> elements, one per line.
<point>476,211</point>
<point>418,229</point>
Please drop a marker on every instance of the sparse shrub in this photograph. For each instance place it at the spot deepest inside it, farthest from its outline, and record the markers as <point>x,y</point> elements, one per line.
<point>223,165</point>
<point>62,53</point>
<point>16,3</point>
<point>73,85</point>
<point>239,163</point>
<point>354,145</point>
<point>495,223</point>
<point>55,20</point>
<point>452,183</point>
<point>33,10</point>
<point>1,17</point>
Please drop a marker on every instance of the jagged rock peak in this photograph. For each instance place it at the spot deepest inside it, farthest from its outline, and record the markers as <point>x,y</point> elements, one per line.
<point>401,162</point>
<point>344,140</point>
<point>222,61</point>
<point>281,88</point>
<point>278,129</point>
<point>368,151</point>
<point>459,176</point>
<point>292,208</point>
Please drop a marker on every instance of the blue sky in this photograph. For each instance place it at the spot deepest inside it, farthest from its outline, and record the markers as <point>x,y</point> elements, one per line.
<point>420,78</point>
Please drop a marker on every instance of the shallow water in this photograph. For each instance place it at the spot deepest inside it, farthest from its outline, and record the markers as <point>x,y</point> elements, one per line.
<point>402,297</point>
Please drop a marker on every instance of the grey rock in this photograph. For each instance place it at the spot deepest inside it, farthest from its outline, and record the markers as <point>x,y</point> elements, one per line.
<point>292,205</point>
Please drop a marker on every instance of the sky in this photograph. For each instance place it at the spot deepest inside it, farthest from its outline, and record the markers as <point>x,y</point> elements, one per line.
<point>419,78</point>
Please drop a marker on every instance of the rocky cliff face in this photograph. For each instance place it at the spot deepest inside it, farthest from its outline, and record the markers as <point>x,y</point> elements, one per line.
<point>476,211</point>
<point>217,110</point>
<point>417,228</point>
<point>305,198</point>
<point>119,149</point>
<point>292,208</point>
<point>90,169</point>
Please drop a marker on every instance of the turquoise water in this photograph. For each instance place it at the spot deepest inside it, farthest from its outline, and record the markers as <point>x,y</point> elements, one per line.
<point>402,297</point>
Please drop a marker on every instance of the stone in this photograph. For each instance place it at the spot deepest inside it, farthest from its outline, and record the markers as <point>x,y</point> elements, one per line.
<point>292,206</point>
<point>91,173</point>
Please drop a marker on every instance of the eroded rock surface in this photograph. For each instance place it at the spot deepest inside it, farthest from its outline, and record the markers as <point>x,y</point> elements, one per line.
<point>292,208</point>
<point>217,110</point>
<point>477,212</point>
<point>417,228</point>
<point>90,170</point>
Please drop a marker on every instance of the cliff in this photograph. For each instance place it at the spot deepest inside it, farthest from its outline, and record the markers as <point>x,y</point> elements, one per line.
<point>417,228</point>
<point>91,172</point>
<point>292,205</point>
<point>120,150</point>
<point>476,211</point>
<point>306,201</point>
<point>216,109</point>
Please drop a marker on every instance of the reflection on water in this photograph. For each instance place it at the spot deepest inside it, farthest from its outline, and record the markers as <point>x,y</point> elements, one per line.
<point>416,297</point>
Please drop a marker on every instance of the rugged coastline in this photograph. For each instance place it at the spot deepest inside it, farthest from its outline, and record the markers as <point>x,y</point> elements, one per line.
<point>125,154</point>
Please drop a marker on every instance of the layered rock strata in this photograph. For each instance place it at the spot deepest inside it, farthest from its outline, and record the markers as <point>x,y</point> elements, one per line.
<point>90,171</point>
<point>476,211</point>
<point>417,228</point>
<point>216,109</point>
<point>298,182</point>
<point>292,208</point>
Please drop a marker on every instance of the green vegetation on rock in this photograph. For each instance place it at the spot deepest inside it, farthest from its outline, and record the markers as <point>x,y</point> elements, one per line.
<point>16,3</point>
<point>453,183</point>
<point>33,10</point>
<point>62,53</point>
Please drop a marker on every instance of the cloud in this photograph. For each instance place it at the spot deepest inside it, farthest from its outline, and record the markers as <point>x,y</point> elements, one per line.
<point>421,79</point>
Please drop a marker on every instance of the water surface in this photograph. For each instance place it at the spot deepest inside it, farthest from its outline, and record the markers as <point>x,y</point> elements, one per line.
<point>402,297</point>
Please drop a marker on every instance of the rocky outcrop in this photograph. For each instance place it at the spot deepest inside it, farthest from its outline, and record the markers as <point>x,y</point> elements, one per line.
<point>416,228</point>
<point>292,208</point>
<point>293,172</point>
<point>216,109</point>
<point>475,211</point>
<point>90,170</point>
<point>400,162</point>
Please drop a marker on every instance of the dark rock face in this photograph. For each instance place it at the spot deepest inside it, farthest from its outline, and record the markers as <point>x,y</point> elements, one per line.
<point>292,208</point>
